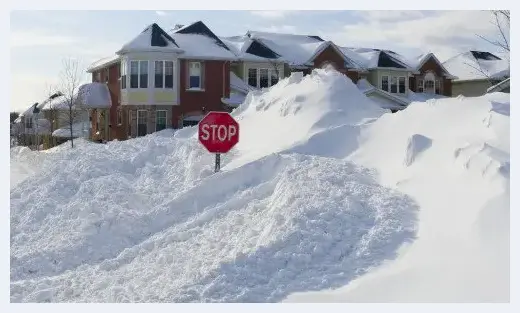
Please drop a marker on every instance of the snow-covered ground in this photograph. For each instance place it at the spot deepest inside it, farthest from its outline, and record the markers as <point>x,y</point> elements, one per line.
<point>325,190</point>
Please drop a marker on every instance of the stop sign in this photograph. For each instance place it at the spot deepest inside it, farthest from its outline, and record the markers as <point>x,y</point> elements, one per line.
<point>218,132</point>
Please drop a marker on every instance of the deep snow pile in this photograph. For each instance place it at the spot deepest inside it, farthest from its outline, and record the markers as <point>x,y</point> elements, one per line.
<point>147,220</point>
<point>324,190</point>
<point>452,157</point>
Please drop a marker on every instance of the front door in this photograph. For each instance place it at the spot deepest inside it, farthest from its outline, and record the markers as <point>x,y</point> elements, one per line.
<point>142,119</point>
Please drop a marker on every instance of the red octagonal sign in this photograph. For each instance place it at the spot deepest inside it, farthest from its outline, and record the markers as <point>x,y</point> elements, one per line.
<point>218,132</point>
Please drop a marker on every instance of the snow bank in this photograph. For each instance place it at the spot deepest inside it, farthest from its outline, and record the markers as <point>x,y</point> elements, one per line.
<point>294,209</point>
<point>460,179</point>
<point>298,109</point>
<point>146,219</point>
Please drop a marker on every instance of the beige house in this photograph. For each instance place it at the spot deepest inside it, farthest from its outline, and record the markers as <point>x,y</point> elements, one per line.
<point>476,72</point>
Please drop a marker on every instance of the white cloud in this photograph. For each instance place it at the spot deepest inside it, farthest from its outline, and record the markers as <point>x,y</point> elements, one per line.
<point>271,14</point>
<point>161,13</point>
<point>36,38</point>
<point>444,33</point>
<point>279,29</point>
<point>390,15</point>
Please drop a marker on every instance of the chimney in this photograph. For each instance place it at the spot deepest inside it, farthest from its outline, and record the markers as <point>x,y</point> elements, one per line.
<point>177,26</point>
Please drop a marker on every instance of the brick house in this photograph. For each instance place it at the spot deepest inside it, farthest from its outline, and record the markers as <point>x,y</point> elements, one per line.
<point>302,53</point>
<point>162,80</point>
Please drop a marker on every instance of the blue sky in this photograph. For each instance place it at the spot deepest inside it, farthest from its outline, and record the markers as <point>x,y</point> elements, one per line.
<point>40,40</point>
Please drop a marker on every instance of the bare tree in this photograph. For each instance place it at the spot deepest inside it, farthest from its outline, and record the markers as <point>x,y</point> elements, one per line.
<point>53,116</point>
<point>70,85</point>
<point>502,21</point>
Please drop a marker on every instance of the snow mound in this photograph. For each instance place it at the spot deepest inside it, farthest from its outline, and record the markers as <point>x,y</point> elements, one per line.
<point>288,115</point>
<point>147,220</point>
<point>247,241</point>
<point>416,145</point>
<point>461,183</point>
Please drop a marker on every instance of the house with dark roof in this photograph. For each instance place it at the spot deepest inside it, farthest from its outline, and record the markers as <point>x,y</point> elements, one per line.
<point>163,79</point>
<point>302,53</point>
<point>476,72</point>
<point>257,66</point>
<point>396,74</point>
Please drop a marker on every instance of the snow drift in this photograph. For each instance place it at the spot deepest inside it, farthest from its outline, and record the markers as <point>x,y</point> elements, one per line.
<point>146,220</point>
<point>456,166</point>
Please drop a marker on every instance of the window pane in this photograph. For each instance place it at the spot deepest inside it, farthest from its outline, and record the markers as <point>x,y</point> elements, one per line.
<point>141,123</point>
<point>123,82</point>
<point>168,68</point>
<point>158,77</point>
<point>134,67</point>
<point>160,120</point>
<point>159,67</point>
<point>251,77</point>
<point>168,81</point>
<point>264,78</point>
<point>393,85</point>
<point>194,69</point>
<point>402,85</point>
<point>143,71</point>
<point>384,83</point>
<point>274,77</point>
<point>194,81</point>
<point>134,79</point>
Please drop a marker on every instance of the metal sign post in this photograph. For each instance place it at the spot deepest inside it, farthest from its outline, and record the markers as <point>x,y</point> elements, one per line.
<point>218,133</point>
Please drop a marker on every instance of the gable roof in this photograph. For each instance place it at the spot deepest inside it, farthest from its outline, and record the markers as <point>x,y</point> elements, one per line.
<point>477,65</point>
<point>199,28</point>
<point>378,58</point>
<point>198,42</point>
<point>423,58</point>
<point>249,49</point>
<point>297,50</point>
<point>152,38</point>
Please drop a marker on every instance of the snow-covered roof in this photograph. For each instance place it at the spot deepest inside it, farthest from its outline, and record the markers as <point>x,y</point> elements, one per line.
<point>477,65</point>
<point>395,101</point>
<point>238,84</point>
<point>201,47</point>
<point>297,49</point>
<point>92,95</point>
<point>152,38</point>
<point>234,100</point>
<point>500,86</point>
<point>198,41</point>
<point>81,129</point>
<point>103,62</point>
<point>248,49</point>
<point>377,58</point>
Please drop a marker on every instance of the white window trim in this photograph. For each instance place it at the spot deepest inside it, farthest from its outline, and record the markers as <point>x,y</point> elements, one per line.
<point>165,118</point>
<point>388,82</point>
<point>200,77</point>
<point>137,122</point>
<point>269,75</point>
<point>139,74</point>
<point>123,71</point>
<point>401,93</point>
<point>164,74</point>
